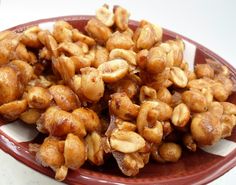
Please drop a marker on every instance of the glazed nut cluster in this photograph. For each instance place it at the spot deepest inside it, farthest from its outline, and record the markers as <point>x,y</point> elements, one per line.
<point>109,90</point>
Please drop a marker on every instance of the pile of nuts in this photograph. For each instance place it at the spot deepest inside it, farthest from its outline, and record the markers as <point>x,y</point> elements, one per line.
<point>111,91</point>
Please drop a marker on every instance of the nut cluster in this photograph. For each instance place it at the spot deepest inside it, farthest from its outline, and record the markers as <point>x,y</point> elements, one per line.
<point>111,90</point>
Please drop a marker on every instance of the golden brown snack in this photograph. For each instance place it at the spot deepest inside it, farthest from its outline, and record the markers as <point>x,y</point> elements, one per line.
<point>7,46</point>
<point>113,70</point>
<point>229,108</point>
<point>216,109</point>
<point>195,100</point>
<point>128,55</point>
<point>126,141</point>
<point>97,30</point>
<point>204,70</point>
<point>178,77</point>
<point>12,110</point>
<point>146,35</point>
<point>62,31</point>
<point>92,85</point>
<point>129,85</point>
<point>88,118</point>
<point>205,129</point>
<point>94,148</point>
<point>78,36</point>
<point>101,56</point>
<point>50,154</point>
<point>156,62</point>
<point>69,49</point>
<point>129,164</point>
<point>105,15</point>
<point>9,84</point>
<point>151,112</point>
<point>74,152</point>
<point>25,69</point>
<point>121,106</point>
<point>189,142</point>
<point>57,122</point>
<point>119,40</point>
<point>147,93</point>
<point>170,152</point>
<point>64,97</point>
<point>121,17</point>
<point>228,122</point>
<point>164,95</point>
<point>30,37</point>
<point>39,98</point>
<point>30,116</point>
<point>181,115</point>
<point>65,67</point>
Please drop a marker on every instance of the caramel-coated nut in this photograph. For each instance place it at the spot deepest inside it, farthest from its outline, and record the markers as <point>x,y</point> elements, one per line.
<point>57,122</point>
<point>12,110</point>
<point>50,153</point>
<point>119,40</point>
<point>89,118</point>
<point>113,70</point>
<point>205,128</point>
<point>97,30</point>
<point>30,116</point>
<point>126,141</point>
<point>156,60</point>
<point>147,93</point>
<point>189,142</point>
<point>74,152</point>
<point>227,123</point>
<point>65,66</point>
<point>178,77</point>
<point>216,109</point>
<point>92,85</point>
<point>150,112</point>
<point>101,56</point>
<point>105,16</point>
<point>26,70</point>
<point>220,93</point>
<point>121,106</point>
<point>154,134</point>
<point>129,163</point>
<point>146,37</point>
<point>30,37</point>
<point>9,84</point>
<point>64,97</point>
<point>70,49</point>
<point>94,148</point>
<point>62,31</point>
<point>170,152</point>
<point>39,98</point>
<point>128,55</point>
<point>21,52</point>
<point>78,36</point>
<point>181,115</point>
<point>164,95</point>
<point>204,70</point>
<point>129,85</point>
<point>229,108</point>
<point>121,18</point>
<point>195,100</point>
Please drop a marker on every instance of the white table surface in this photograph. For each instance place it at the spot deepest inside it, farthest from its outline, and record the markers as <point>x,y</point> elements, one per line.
<point>209,22</point>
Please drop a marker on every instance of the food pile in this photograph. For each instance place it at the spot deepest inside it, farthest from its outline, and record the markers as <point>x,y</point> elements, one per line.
<point>111,91</point>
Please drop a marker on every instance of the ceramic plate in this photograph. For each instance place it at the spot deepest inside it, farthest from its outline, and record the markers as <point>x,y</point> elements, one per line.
<point>198,168</point>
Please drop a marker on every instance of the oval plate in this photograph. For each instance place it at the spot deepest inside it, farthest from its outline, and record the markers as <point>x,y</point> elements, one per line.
<point>199,168</point>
